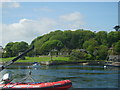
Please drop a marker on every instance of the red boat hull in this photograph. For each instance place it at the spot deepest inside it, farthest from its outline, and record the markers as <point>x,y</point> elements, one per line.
<point>59,85</point>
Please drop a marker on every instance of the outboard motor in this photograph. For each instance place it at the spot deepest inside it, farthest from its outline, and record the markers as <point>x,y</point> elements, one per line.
<point>7,78</point>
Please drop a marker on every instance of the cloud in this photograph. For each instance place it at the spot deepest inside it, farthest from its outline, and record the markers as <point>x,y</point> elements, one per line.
<point>71,17</point>
<point>10,5</point>
<point>27,30</point>
<point>72,20</point>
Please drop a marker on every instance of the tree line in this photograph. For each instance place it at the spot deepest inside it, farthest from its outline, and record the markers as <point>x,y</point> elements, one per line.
<point>98,45</point>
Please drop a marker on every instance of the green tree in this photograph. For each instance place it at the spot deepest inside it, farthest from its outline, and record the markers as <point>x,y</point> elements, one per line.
<point>82,36</point>
<point>19,47</point>
<point>77,55</point>
<point>102,52</point>
<point>113,37</point>
<point>91,46</point>
<point>13,49</point>
<point>49,45</point>
<point>57,35</point>
<point>70,39</point>
<point>39,42</point>
<point>73,44</point>
<point>8,51</point>
<point>67,37</point>
<point>101,37</point>
<point>92,42</point>
<point>88,57</point>
<point>117,28</point>
<point>117,47</point>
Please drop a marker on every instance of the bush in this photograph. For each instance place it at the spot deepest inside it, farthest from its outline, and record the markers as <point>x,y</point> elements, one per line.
<point>77,55</point>
<point>88,57</point>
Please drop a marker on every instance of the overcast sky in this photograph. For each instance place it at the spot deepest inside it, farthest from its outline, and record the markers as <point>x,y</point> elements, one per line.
<point>24,21</point>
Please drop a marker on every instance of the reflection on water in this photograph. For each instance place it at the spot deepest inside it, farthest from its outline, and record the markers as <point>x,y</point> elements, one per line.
<point>81,76</point>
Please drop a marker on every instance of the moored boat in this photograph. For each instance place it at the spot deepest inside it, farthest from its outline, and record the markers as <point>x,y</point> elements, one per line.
<point>59,85</point>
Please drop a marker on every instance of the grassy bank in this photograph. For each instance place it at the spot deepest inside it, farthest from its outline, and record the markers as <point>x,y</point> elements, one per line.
<point>44,58</point>
<point>36,59</point>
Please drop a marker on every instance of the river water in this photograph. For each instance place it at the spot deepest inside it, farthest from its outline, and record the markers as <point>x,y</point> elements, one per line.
<point>81,76</point>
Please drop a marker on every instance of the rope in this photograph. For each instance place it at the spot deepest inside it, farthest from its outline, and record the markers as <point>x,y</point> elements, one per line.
<point>28,76</point>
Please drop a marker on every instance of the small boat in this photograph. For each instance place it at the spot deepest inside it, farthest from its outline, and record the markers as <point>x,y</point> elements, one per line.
<point>59,85</point>
<point>35,64</point>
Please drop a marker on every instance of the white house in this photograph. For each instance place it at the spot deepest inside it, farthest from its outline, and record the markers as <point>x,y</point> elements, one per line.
<point>114,58</point>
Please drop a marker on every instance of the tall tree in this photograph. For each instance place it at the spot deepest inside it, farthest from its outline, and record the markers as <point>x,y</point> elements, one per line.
<point>91,46</point>
<point>113,37</point>
<point>101,37</point>
<point>117,47</point>
<point>67,37</point>
<point>117,28</point>
<point>8,50</point>
<point>19,47</point>
<point>102,52</point>
<point>49,45</point>
<point>13,49</point>
<point>77,55</point>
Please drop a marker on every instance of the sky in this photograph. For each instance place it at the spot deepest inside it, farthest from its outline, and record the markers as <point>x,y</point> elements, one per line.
<point>24,21</point>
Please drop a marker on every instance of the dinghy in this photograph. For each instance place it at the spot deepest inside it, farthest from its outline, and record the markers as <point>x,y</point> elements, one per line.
<point>35,65</point>
<point>59,85</point>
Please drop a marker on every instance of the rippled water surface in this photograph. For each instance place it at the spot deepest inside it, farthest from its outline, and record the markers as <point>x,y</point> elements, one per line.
<point>81,76</point>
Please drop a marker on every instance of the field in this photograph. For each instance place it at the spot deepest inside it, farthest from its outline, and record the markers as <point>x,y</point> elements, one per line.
<point>36,59</point>
<point>45,58</point>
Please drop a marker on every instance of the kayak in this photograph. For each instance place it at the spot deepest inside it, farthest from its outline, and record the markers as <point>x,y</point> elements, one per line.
<point>59,85</point>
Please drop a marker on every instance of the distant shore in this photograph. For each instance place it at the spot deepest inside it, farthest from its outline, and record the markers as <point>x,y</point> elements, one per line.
<point>73,62</point>
<point>55,61</point>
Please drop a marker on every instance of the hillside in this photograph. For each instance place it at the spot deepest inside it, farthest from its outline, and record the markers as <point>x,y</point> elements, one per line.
<point>96,44</point>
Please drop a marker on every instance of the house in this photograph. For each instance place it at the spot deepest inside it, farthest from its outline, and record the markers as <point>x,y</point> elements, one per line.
<point>53,52</point>
<point>62,52</point>
<point>83,50</point>
<point>115,58</point>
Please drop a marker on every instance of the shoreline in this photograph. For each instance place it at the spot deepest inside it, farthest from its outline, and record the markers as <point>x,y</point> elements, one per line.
<point>52,63</point>
<point>69,62</point>
<point>63,62</point>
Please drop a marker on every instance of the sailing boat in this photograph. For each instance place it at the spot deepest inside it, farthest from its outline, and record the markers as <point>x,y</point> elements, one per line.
<point>7,84</point>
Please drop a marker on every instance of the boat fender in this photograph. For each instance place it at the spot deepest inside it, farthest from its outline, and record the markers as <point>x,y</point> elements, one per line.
<point>6,76</point>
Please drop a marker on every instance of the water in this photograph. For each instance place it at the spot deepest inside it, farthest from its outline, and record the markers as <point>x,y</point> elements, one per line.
<point>81,76</point>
